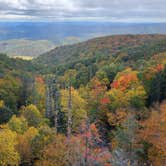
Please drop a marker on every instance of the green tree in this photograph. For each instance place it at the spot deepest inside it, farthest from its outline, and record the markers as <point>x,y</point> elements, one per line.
<point>10,89</point>
<point>18,124</point>
<point>44,137</point>
<point>32,115</point>
<point>5,114</point>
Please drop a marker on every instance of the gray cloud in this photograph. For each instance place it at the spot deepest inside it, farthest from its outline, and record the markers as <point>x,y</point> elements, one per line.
<point>107,10</point>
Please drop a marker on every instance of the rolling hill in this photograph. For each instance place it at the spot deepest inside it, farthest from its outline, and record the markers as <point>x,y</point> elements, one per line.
<point>125,47</point>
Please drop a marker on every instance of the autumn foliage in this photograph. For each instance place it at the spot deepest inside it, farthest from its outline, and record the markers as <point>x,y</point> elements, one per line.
<point>154,132</point>
<point>125,80</point>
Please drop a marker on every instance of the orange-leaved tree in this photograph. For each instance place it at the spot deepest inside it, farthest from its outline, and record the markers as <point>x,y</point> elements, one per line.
<point>154,132</point>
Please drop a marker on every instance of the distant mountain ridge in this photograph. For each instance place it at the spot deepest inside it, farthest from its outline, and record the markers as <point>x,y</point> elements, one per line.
<point>58,31</point>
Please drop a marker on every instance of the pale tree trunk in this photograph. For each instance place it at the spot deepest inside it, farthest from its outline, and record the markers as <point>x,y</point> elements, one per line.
<point>69,125</point>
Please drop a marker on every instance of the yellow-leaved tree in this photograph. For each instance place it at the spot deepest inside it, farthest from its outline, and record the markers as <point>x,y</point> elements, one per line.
<point>8,154</point>
<point>18,124</point>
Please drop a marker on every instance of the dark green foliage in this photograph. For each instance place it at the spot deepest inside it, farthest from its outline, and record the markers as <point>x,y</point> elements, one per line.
<point>157,88</point>
<point>145,51</point>
<point>136,102</point>
<point>163,85</point>
<point>16,81</point>
<point>8,64</point>
<point>10,91</point>
<point>5,115</point>
<point>142,153</point>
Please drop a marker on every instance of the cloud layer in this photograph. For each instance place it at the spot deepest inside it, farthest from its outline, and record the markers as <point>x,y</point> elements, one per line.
<point>101,10</point>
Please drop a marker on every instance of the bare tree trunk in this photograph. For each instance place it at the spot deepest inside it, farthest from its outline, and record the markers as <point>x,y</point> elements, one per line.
<point>34,92</point>
<point>87,141</point>
<point>48,98</point>
<point>69,113</point>
<point>56,110</point>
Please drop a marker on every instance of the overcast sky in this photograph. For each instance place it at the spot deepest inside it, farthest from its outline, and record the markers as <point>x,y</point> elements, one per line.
<point>84,10</point>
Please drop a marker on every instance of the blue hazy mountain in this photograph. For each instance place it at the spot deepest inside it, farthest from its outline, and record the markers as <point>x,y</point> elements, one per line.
<point>60,31</point>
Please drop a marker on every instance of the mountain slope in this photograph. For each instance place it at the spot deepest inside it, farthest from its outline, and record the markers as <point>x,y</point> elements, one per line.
<point>131,47</point>
<point>8,64</point>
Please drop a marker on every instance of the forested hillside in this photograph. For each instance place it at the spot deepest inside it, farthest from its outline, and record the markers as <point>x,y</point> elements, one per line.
<point>96,103</point>
<point>92,56</point>
<point>105,46</point>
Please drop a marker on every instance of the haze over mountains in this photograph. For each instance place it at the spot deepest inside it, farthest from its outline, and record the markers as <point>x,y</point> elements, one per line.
<point>24,47</point>
<point>30,35</point>
<point>58,31</point>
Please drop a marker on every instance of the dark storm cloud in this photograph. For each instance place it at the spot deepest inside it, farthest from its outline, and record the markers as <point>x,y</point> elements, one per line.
<point>107,10</point>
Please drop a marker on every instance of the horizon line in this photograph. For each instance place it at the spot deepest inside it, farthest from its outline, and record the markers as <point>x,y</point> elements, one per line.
<point>81,21</point>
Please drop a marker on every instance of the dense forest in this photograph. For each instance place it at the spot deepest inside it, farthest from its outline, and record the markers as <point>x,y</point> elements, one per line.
<point>97,103</point>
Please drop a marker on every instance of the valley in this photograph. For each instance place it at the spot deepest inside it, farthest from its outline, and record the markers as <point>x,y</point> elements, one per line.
<point>96,102</point>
